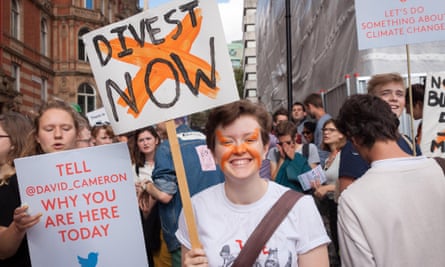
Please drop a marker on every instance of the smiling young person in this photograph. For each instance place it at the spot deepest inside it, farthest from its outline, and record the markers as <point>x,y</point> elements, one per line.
<point>227,213</point>
<point>389,87</point>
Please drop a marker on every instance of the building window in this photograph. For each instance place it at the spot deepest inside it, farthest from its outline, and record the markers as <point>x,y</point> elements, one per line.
<point>44,37</point>
<point>86,98</point>
<point>250,44</point>
<point>44,90</point>
<point>82,55</point>
<point>89,4</point>
<point>251,60</point>
<point>250,28</point>
<point>251,76</point>
<point>15,73</point>
<point>15,19</point>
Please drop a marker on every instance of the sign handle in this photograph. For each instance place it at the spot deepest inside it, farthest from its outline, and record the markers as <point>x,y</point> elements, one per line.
<point>182,183</point>
<point>410,92</point>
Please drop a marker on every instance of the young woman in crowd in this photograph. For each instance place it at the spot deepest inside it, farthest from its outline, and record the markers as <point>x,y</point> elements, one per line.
<point>144,148</point>
<point>55,129</point>
<point>102,134</point>
<point>226,214</point>
<point>333,141</point>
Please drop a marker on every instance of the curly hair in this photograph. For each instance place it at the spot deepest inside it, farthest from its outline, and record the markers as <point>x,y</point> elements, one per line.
<point>367,118</point>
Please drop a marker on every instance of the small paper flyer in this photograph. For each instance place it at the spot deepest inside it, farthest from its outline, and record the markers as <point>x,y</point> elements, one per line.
<point>316,174</point>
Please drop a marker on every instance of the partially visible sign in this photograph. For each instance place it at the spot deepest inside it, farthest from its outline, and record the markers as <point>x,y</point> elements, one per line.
<point>161,64</point>
<point>382,23</point>
<point>97,116</point>
<point>89,206</point>
<point>433,123</point>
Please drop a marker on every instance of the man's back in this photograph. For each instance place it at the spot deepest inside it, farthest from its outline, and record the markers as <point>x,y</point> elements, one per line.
<point>394,215</point>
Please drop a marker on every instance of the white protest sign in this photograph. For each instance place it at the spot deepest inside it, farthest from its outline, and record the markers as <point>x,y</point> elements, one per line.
<point>89,206</point>
<point>382,23</point>
<point>97,116</point>
<point>433,123</point>
<point>161,64</point>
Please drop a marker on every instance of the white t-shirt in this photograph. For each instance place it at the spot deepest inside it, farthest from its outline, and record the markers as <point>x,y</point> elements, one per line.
<point>224,227</point>
<point>144,173</point>
<point>394,215</point>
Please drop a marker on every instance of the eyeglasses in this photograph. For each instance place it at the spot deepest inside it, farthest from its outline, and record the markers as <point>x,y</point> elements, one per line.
<point>4,135</point>
<point>285,142</point>
<point>329,130</point>
<point>305,133</point>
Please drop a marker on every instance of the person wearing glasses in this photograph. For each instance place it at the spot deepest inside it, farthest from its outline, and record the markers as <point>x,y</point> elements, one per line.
<point>333,141</point>
<point>291,163</point>
<point>14,129</point>
<point>84,137</point>
<point>102,134</point>
<point>308,132</point>
<point>55,129</point>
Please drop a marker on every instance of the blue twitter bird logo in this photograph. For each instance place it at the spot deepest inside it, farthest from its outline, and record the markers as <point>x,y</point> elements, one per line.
<point>91,261</point>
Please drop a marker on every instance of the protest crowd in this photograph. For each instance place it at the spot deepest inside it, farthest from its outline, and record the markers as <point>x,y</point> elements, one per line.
<point>363,197</point>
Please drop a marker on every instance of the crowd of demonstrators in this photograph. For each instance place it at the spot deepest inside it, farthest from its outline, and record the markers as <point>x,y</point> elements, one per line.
<point>226,214</point>
<point>144,149</point>
<point>314,107</point>
<point>102,134</point>
<point>14,129</point>
<point>55,129</point>
<point>389,87</point>
<point>333,141</point>
<point>393,215</point>
<point>248,143</point>
<point>418,94</point>
<point>201,173</point>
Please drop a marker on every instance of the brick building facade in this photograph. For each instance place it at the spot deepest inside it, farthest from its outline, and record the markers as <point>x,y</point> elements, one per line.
<point>42,55</point>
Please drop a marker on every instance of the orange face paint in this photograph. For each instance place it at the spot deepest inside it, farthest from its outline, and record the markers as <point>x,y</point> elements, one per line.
<point>246,146</point>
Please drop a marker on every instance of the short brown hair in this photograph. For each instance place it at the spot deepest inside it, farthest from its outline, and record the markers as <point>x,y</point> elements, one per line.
<point>226,114</point>
<point>381,79</point>
<point>285,128</point>
<point>314,99</point>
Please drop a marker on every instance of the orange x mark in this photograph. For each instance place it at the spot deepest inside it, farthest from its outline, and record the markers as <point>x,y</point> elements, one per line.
<point>440,137</point>
<point>141,56</point>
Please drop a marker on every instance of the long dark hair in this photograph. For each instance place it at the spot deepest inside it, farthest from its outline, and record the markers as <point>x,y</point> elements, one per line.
<point>138,156</point>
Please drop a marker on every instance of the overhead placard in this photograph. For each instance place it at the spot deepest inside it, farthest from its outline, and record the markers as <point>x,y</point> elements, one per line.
<point>383,23</point>
<point>161,64</point>
<point>433,123</point>
<point>89,206</point>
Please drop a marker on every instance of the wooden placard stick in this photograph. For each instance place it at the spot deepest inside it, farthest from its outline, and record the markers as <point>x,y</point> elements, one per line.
<point>182,183</point>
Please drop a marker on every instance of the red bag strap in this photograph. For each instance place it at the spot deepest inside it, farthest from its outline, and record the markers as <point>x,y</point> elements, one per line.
<point>262,233</point>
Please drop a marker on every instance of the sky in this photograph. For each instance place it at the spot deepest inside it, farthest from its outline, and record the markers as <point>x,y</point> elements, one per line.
<point>231,15</point>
